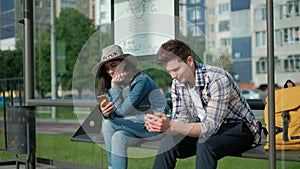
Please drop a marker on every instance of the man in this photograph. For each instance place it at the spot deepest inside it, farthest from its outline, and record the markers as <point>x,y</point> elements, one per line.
<point>211,119</point>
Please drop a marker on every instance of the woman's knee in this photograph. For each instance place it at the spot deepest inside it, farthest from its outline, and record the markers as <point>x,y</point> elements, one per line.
<point>107,126</point>
<point>119,142</point>
<point>119,137</point>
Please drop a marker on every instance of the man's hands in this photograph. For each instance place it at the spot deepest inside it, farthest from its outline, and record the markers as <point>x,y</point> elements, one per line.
<point>106,107</point>
<point>157,122</point>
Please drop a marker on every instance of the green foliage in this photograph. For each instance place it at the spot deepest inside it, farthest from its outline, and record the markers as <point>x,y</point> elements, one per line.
<point>162,78</point>
<point>59,147</point>
<point>89,56</point>
<point>156,72</point>
<point>75,29</point>
<point>11,63</point>
<point>43,63</point>
<point>226,63</point>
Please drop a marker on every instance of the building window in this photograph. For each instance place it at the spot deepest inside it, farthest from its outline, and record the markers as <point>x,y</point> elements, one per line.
<point>83,5</point>
<point>261,39</point>
<point>292,63</point>
<point>291,35</point>
<point>37,30</point>
<point>195,14</point>
<point>211,28</point>
<point>195,1</point>
<point>261,65</point>
<point>224,8</point>
<point>211,12</point>
<point>277,37</point>
<point>48,4</point>
<point>195,30</point>
<point>224,26</point>
<point>48,18</point>
<point>225,42</point>
<point>292,8</point>
<point>38,4</point>
<point>181,8</point>
<point>277,11</point>
<point>38,18</point>
<point>68,4</point>
<point>260,12</point>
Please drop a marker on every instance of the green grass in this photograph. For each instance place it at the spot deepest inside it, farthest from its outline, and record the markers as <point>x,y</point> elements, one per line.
<point>59,147</point>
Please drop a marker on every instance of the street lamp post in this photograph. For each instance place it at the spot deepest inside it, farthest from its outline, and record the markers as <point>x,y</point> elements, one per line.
<point>53,59</point>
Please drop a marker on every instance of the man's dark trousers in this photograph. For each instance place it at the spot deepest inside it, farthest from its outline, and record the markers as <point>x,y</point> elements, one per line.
<point>231,139</point>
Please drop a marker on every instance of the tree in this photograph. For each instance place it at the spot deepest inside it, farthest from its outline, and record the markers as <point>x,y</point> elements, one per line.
<point>43,63</point>
<point>11,67</point>
<point>89,56</point>
<point>11,63</point>
<point>75,29</point>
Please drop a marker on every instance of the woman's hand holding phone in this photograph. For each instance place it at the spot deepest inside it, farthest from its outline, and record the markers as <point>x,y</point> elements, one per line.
<point>101,98</point>
<point>106,107</point>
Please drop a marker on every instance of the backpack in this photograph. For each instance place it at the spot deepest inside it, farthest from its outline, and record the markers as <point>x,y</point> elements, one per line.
<point>287,118</point>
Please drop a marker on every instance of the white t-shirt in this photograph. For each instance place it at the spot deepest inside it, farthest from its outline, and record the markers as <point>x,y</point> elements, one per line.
<point>195,94</point>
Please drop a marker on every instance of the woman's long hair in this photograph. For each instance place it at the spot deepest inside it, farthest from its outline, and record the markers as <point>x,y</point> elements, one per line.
<point>104,80</point>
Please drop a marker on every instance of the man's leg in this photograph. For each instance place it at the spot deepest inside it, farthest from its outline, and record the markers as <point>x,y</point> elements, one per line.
<point>231,139</point>
<point>172,148</point>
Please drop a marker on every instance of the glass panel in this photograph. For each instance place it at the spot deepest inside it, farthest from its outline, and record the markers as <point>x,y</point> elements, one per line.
<point>234,39</point>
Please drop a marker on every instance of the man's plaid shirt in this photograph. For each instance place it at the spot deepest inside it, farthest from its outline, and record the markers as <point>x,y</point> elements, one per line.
<point>220,97</point>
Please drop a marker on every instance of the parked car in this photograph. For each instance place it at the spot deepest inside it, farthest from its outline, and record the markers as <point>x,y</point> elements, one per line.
<point>254,94</point>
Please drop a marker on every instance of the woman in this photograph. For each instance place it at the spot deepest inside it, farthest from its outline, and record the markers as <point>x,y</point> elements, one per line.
<point>131,94</point>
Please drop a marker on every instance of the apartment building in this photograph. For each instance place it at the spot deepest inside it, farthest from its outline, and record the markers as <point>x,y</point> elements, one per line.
<point>192,17</point>
<point>240,36</point>
<point>102,12</point>
<point>218,30</point>
<point>238,28</point>
<point>286,41</point>
<point>12,12</point>
<point>234,28</point>
<point>10,15</point>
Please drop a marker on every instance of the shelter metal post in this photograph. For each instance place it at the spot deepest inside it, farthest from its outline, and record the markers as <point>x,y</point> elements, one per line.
<point>271,92</point>
<point>29,62</point>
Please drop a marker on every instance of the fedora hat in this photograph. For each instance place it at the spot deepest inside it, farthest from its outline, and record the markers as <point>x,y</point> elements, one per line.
<point>111,53</point>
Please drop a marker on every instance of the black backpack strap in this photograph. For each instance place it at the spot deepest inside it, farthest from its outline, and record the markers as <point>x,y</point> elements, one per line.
<point>285,119</point>
<point>286,116</point>
<point>259,130</point>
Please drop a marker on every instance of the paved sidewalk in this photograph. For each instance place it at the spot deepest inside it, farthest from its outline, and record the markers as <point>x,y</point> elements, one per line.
<point>52,126</point>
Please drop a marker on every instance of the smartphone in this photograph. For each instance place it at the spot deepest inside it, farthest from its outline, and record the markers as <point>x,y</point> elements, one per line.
<point>102,97</point>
